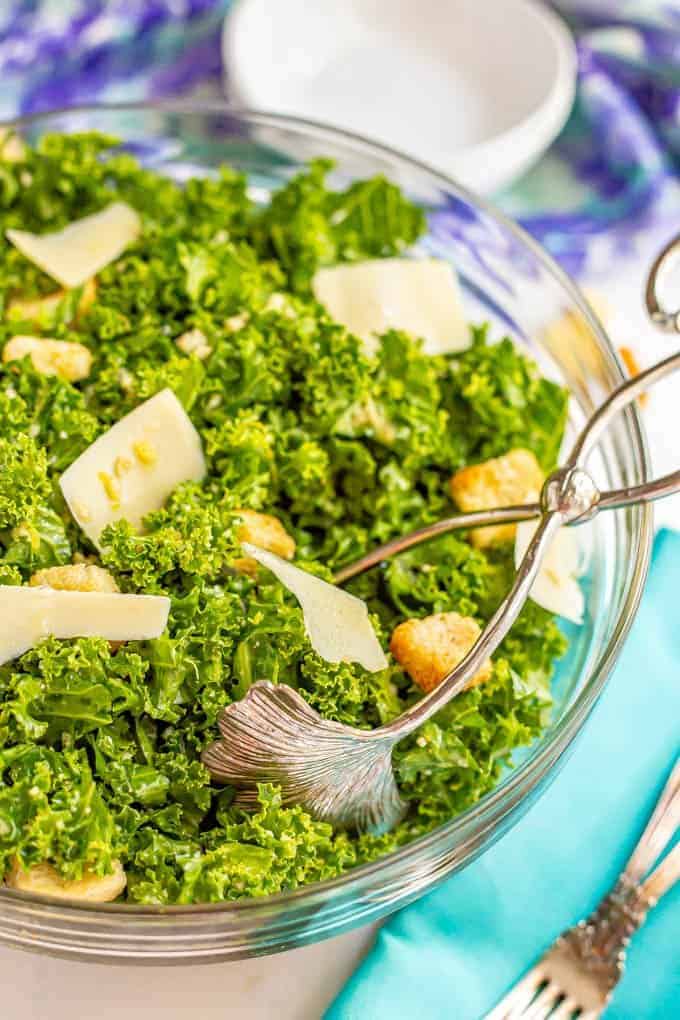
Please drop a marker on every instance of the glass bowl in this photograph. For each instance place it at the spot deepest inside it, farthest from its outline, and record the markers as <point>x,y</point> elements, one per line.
<point>512,283</point>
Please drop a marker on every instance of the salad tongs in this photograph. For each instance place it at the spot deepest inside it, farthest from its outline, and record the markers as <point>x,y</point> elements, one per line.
<point>344,775</point>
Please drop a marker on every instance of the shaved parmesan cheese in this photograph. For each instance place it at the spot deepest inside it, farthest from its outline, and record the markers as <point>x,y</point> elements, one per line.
<point>337,623</point>
<point>556,587</point>
<point>30,614</point>
<point>132,469</point>
<point>418,296</point>
<point>73,255</point>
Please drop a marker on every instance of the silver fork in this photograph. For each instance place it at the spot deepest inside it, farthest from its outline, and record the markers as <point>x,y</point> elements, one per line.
<point>578,974</point>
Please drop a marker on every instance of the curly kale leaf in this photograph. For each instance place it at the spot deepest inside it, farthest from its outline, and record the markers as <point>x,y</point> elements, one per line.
<point>306,225</point>
<point>100,747</point>
<point>191,535</point>
<point>61,690</point>
<point>24,482</point>
<point>38,542</point>
<point>51,809</point>
<point>497,400</point>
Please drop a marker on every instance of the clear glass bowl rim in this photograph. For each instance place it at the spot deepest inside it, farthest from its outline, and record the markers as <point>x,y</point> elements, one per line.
<point>526,776</point>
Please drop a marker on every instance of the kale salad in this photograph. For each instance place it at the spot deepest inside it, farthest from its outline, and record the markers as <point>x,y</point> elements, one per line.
<point>313,443</point>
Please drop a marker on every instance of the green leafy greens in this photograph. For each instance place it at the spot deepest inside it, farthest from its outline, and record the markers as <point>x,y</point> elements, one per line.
<point>100,747</point>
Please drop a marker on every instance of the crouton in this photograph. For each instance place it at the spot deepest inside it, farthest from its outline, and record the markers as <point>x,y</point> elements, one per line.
<point>265,531</point>
<point>42,311</point>
<point>571,339</point>
<point>46,881</point>
<point>75,577</point>
<point>428,649</point>
<point>516,477</point>
<point>70,361</point>
<point>12,148</point>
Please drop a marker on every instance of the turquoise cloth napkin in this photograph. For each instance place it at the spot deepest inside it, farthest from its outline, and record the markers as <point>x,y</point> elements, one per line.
<point>455,953</point>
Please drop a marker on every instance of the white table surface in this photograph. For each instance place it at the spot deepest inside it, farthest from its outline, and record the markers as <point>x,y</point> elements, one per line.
<point>297,985</point>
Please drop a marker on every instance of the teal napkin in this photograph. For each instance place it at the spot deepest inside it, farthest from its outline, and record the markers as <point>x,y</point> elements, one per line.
<point>455,953</point>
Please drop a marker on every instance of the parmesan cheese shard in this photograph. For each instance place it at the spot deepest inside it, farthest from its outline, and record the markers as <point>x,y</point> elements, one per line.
<point>418,296</point>
<point>31,614</point>
<point>337,623</point>
<point>76,253</point>
<point>45,880</point>
<point>63,358</point>
<point>556,587</point>
<point>158,447</point>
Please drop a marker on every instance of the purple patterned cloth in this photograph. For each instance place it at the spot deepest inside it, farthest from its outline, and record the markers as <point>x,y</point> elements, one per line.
<point>64,52</point>
<point>617,160</point>
<point>616,157</point>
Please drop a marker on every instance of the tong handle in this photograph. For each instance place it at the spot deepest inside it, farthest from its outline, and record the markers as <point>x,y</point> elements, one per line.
<point>473,519</point>
<point>616,401</point>
<point>658,488</point>
<point>665,319</point>
<point>490,638</point>
<point>659,831</point>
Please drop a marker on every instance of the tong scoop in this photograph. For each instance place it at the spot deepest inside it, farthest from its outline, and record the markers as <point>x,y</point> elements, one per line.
<point>344,775</point>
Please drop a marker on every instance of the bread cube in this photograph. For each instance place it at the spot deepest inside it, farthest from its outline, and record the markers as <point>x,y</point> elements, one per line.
<point>428,649</point>
<point>516,477</point>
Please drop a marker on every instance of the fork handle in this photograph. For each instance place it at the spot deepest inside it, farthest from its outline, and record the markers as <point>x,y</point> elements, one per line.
<point>663,877</point>
<point>615,402</point>
<point>600,941</point>
<point>659,830</point>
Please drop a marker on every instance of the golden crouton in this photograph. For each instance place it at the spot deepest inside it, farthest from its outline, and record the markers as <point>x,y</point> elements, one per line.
<point>42,311</point>
<point>265,531</point>
<point>428,649</point>
<point>75,577</point>
<point>516,477</point>
<point>572,340</point>
<point>70,361</point>
<point>46,881</point>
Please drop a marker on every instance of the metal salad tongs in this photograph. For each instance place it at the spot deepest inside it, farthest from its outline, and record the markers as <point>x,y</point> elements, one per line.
<point>344,775</point>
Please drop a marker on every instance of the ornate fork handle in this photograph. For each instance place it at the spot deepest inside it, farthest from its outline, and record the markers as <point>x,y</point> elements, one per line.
<point>599,943</point>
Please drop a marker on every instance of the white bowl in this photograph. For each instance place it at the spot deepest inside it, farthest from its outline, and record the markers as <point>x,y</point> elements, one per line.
<point>476,89</point>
